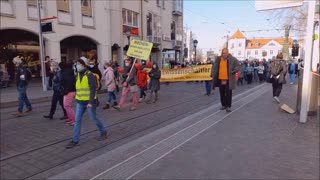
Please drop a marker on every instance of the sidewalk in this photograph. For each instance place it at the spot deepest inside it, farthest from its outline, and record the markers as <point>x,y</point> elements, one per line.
<point>35,94</point>
<point>256,141</point>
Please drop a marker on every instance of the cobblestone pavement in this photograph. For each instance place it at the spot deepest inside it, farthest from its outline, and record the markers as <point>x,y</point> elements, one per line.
<point>31,144</point>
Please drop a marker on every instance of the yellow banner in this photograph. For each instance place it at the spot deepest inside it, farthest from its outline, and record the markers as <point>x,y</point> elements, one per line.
<point>195,73</point>
<point>139,49</point>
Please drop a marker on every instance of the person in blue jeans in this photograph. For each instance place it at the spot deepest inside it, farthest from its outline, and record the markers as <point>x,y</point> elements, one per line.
<point>22,77</point>
<point>86,97</point>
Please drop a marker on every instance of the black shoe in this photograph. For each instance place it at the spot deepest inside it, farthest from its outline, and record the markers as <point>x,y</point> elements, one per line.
<point>115,103</point>
<point>222,108</point>
<point>48,117</point>
<point>107,106</point>
<point>72,144</point>
<point>64,117</point>
<point>102,137</point>
<point>228,109</point>
<point>98,102</point>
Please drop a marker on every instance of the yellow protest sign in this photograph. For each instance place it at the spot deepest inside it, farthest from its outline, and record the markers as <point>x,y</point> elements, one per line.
<point>139,49</point>
<point>195,73</point>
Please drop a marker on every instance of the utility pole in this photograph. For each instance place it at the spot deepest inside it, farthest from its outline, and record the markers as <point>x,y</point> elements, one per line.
<point>43,69</point>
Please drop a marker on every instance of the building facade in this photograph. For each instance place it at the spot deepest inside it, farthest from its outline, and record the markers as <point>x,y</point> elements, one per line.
<point>255,49</point>
<point>97,29</point>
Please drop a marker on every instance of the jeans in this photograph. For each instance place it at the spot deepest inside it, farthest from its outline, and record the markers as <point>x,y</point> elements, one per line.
<point>57,97</point>
<point>208,87</point>
<point>23,98</point>
<point>292,77</point>
<point>124,94</point>
<point>225,95</point>
<point>80,109</point>
<point>67,102</point>
<point>111,96</point>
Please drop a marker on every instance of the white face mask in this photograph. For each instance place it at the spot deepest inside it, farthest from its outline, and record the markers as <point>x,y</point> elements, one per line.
<point>127,64</point>
<point>91,65</point>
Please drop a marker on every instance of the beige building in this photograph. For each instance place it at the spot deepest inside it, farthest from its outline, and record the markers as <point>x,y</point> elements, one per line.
<point>95,28</point>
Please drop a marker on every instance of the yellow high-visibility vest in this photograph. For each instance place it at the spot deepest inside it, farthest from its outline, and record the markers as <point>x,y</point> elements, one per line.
<point>83,89</point>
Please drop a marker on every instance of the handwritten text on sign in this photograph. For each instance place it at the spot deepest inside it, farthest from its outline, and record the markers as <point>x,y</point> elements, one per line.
<point>139,49</point>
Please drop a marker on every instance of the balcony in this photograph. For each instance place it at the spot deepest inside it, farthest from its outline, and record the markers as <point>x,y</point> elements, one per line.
<point>177,8</point>
<point>154,39</point>
<point>176,43</point>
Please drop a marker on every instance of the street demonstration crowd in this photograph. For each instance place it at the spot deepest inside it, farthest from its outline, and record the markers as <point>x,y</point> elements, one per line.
<point>82,80</point>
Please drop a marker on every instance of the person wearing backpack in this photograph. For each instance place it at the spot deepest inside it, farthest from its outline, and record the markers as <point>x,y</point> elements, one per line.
<point>278,71</point>
<point>86,98</point>
<point>22,77</point>
<point>93,67</point>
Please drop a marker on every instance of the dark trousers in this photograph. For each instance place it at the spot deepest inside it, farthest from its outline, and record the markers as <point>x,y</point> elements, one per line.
<point>249,78</point>
<point>208,87</point>
<point>225,95</point>
<point>57,97</point>
<point>143,92</point>
<point>277,87</point>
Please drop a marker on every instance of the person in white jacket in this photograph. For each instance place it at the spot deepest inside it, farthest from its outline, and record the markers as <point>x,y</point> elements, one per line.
<point>110,84</point>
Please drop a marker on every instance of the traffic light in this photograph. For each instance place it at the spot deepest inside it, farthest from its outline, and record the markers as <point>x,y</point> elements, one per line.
<point>295,50</point>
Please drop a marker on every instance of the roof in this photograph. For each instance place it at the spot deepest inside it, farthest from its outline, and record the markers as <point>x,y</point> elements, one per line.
<point>259,43</point>
<point>238,35</point>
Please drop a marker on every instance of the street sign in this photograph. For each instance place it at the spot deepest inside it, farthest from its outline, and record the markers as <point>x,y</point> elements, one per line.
<point>272,4</point>
<point>139,49</point>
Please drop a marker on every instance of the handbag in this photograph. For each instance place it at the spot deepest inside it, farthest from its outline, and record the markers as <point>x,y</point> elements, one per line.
<point>269,78</point>
<point>134,88</point>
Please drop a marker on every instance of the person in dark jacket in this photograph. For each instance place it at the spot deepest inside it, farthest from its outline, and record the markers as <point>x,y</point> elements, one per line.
<point>129,84</point>
<point>86,97</point>
<point>57,91</point>
<point>94,68</point>
<point>225,68</point>
<point>154,84</point>
<point>68,83</point>
<point>280,78</point>
<point>22,77</point>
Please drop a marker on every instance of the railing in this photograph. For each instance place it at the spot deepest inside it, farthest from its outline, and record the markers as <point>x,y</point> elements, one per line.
<point>176,43</point>
<point>154,39</point>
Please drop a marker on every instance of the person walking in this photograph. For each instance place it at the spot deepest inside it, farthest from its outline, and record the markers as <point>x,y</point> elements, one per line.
<point>154,85</point>
<point>224,71</point>
<point>129,84</point>
<point>278,71</point>
<point>49,74</point>
<point>241,74</point>
<point>208,83</point>
<point>142,77</point>
<point>110,85</point>
<point>260,69</point>
<point>22,77</point>
<point>68,83</point>
<point>292,69</point>
<point>57,91</point>
<point>86,97</point>
<point>249,72</point>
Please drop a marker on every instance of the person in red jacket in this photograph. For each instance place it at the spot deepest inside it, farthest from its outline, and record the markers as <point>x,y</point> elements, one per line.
<point>142,77</point>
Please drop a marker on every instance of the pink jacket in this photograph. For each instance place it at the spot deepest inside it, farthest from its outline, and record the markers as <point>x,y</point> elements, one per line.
<point>109,79</point>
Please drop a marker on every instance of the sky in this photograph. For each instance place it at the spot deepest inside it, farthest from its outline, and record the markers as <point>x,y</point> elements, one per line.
<point>212,20</point>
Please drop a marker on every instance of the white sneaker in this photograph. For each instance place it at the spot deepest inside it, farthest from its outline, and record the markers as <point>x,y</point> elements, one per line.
<point>291,83</point>
<point>140,100</point>
<point>277,99</point>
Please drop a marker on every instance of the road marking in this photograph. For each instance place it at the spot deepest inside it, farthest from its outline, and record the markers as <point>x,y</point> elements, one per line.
<point>126,165</point>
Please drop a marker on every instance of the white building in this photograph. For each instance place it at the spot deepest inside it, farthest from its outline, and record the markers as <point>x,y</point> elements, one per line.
<point>263,48</point>
<point>88,27</point>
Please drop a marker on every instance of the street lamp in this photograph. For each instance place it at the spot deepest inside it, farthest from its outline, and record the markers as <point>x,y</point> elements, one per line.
<point>195,43</point>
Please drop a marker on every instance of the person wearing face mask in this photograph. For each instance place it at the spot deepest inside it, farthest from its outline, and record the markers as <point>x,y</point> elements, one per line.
<point>154,84</point>
<point>57,91</point>
<point>22,77</point>
<point>225,68</point>
<point>86,99</point>
<point>129,84</point>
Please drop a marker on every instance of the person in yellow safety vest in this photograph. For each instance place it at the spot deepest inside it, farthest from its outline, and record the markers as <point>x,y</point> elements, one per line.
<point>86,98</point>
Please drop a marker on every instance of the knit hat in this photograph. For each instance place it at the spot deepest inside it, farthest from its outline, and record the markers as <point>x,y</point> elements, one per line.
<point>17,60</point>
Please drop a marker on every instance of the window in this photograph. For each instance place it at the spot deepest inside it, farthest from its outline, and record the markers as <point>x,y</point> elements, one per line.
<point>163,4</point>
<point>256,52</point>
<point>232,45</point>
<point>248,53</point>
<point>158,3</point>
<point>173,30</point>
<point>249,44</point>
<point>239,53</point>
<point>63,5</point>
<point>272,44</point>
<point>271,52</point>
<point>257,44</point>
<point>149,24</point>
<point>86,8</point>
<point>32,2</point>
<point>129,18</point>
<point>240,44</point>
